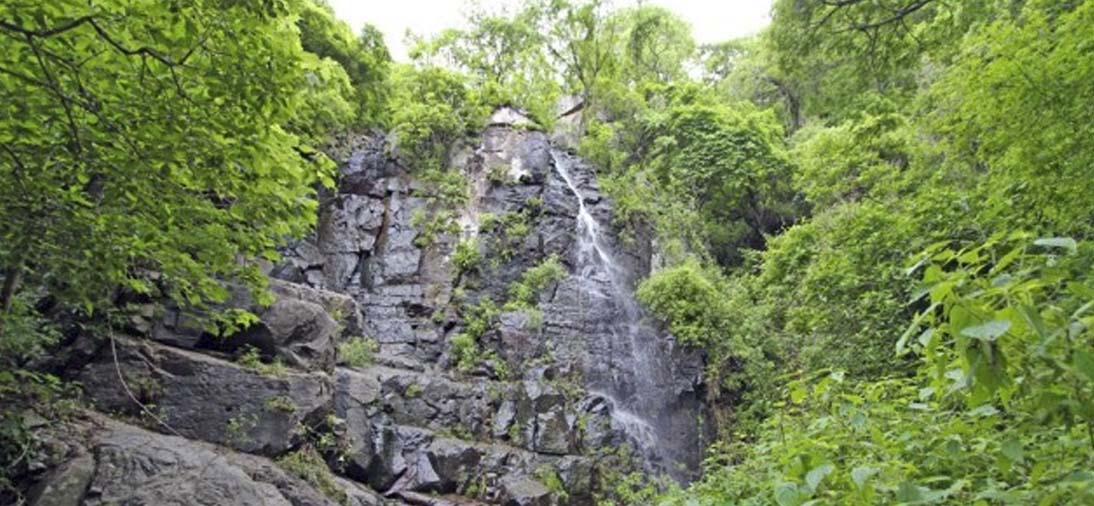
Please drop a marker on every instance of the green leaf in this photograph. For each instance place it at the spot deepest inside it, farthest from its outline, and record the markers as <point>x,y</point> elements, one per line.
<point>1012,449</point>
<point>984,411</point>
<point>861,474</point>
<point>798,394</point>
<point>1058,242</point>
<point>1084,363</point>
<point>814,477</point>
<point>989,331</point>
<point>788,494</point>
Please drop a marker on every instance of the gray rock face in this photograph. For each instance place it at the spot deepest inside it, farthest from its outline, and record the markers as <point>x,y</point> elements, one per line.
<point>302,327</point>
<point>119,464</point>
<point>66,485</point>
<point>524,491</point>
<point>556,385</point>
<point>206,398</point>
<point>551,397</point>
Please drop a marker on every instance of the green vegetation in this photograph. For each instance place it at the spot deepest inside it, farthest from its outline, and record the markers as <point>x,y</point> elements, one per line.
<point>251,358</point>
<point>479,318</point>
<point>874,217</point>
<point>306,464</point>
<point>788,188</point>
<point>363,58</point>
<point>524,294</point>
<point>507,231</point>
<point>466,257</point>
<point>548,476</point>
<point>238,429</point>
<point>282,403</point>
<point>357,351</point>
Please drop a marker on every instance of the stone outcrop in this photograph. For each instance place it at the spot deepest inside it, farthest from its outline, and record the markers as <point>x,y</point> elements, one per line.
<point>105,462</point>
<point>204,397</point>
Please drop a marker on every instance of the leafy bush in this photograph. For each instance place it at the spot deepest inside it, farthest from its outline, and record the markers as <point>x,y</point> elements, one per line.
<point>149,156</point>
<point>465,348</point>
<point>431,111</point>
<point>705,309</point>
<point>26,395</point>
<point>357,351</point>
<point>999,411</point>
<point>251,358</point>
<point>24,334</point>
<point>364,59</point>
<point>525,293</point>
<point>687,301</point>
<point>466,257</point>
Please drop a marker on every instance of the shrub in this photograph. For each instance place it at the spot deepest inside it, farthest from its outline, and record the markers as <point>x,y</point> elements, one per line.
<point>524,293</point>
<point>998,412</point>
<point>686,300</point>
<point>466,351</point>
<point>357,351</point>
<point>466,257</point>
<point>250,358</point>
<point>307,465</point>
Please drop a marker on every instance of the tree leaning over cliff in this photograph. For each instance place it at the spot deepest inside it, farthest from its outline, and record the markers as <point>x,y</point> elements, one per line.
<point>142,136</point>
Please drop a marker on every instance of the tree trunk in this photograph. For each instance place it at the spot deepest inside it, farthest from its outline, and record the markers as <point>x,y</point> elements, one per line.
<point>11,285</point>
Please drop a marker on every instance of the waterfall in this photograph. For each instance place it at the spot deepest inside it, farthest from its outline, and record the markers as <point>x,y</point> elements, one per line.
<point>640,395</point>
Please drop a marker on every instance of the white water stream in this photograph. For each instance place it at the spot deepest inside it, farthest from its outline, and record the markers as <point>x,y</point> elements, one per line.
<point>638,394</point>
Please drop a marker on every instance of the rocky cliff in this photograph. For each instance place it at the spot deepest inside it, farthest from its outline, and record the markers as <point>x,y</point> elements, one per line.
<point>507,361</point>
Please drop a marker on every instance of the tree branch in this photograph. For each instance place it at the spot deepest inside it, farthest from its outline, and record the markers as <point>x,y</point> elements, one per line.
<point>11,27</point>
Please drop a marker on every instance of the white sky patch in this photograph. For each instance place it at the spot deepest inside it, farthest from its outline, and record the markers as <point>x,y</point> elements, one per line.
<point>711,20</point>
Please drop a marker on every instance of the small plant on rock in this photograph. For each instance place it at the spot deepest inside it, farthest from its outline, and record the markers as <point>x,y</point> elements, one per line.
<point>238,430</point>
<point>548,476</point>
<point>307,465</point>
<point>252,359</point>
<point>281,403</point>
<point>357,351</point>
<point>466,257</point>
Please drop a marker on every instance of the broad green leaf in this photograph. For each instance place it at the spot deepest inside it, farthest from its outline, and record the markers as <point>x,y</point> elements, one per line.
<point>989,331</point>
<point>798,394</point>
<point>1058,242</point>
<point>814,477</point>
<point>1084,363</point>
<point>788,494</point>
<point>861,474</point>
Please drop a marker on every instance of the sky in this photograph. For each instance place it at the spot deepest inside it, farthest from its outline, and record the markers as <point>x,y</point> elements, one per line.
<point>711,20</point>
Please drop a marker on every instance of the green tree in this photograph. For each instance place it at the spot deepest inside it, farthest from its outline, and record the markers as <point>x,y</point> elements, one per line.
<point>147,141</point>
<point>364,57</point>
<point>835,52</point>
<point>505,56</point>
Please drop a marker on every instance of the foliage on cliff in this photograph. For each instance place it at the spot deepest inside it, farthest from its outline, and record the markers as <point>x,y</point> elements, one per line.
<point>157,148</point>
<point>874,216</point>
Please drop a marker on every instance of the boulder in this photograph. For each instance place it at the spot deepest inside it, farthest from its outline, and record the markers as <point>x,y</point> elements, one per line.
<point>300,332</point>
<point>525,491</point>
<point>66,485</point>
<point>341,307</point>
<point>124,465</point>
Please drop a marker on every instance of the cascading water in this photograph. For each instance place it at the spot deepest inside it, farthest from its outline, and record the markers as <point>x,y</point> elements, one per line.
<point>638,388</point>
